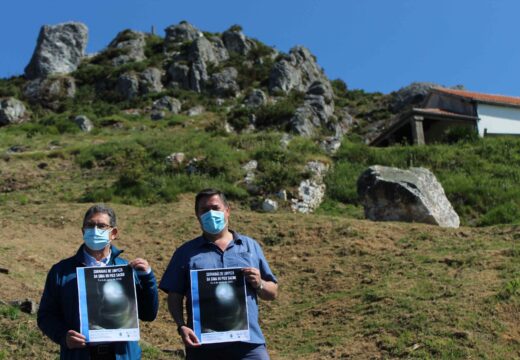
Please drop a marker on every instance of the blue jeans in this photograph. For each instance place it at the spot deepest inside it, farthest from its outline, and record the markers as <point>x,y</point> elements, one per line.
<point>228,351</point>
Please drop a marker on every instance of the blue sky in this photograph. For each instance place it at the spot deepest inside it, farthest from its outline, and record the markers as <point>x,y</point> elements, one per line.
<point>374,45</point>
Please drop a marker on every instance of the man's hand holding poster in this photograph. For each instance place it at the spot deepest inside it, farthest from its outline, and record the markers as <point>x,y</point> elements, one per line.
<point>108,303</point>
<point>219,305</point>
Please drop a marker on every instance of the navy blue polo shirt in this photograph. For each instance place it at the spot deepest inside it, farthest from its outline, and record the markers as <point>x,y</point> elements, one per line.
<point>200,253</point>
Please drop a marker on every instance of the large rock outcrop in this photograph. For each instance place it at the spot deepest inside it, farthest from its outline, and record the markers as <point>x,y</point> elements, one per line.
<point>12,111</point>
<point>51,91</point>
<point>224,83</point>
<point>59,50</point>
<point>130,85</point>
<point>317,109</point>
<point>311,192</point>
<point>190,70</point>
<point>181,33</point>
<point>414,195</point>
<point>190,77</point>
<point>129,46</point>
<point>151,81</point>
<point>127,85</point>
<point>297,70</point>
<point>236,42</point>
<point>410,95</point>
<point>208,50</point>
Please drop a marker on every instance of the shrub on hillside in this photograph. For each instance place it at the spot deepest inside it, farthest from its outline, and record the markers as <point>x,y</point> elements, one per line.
<point>239,118</point>
<point>11,87</point>
<point>277,115</point>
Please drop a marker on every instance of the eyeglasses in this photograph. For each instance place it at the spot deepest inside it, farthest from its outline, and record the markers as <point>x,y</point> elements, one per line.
<point>100,226</point>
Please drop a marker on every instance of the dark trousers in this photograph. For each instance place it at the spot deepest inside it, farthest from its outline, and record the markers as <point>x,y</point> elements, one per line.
<point>228,351</point>
<point>102,352</point>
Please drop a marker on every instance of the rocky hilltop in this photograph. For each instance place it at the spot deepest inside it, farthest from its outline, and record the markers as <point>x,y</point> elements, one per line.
<point>231,83</point>
<point>228,69</point>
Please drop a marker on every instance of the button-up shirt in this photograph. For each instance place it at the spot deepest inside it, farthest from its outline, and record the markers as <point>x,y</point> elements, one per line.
<point>200,253</point>
<point>91,261</point>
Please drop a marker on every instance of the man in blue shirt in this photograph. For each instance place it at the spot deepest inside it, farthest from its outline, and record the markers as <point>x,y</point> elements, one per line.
<point>58,315</point>
<point>218,247</point>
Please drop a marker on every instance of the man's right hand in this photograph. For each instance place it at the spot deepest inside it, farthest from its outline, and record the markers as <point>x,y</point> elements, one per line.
<point>188,337</point>
<point>75,340</point>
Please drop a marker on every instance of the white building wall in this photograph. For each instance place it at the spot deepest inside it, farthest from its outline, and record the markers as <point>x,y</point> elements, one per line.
<point>498,119</point>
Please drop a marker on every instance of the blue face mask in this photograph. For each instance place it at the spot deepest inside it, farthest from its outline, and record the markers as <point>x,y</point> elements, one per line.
<point>213,222</point>
<point>96,239</point>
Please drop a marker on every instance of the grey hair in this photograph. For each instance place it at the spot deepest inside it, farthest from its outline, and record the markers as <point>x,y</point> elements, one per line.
<point>100,209</point>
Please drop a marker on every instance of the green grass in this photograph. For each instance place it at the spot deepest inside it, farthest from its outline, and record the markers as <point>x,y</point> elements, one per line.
<point>127,164</point>
<point>479,177</point>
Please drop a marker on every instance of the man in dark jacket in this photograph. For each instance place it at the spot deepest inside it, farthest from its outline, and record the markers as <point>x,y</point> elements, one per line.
<point>58,315</point>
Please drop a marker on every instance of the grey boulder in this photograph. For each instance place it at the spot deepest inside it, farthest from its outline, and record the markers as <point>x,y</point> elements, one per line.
<point>344,122</point>
<point>316,111</point>
<point>179,76</point>
<point>311,191</point>
<point>207,51</point>
<point>412,94</point>
<point>269,205</point>
<point>297,70</point>
<point>84,123</point>
<point>224,83</point>
<point>256,98</point>
<point>330,144</point>
<point>198,76</point>
<point>190,77</point>
<point>414,195</point>
<point>236,42</point>
<point>150,81</point>
<point>128,85</point>
<point>167,103</point>
<point>196,110</point>
<point>59,50</point>
<point>180,33</point>
<point>12,111</point>
<point>129,45</point>
<point>49,92</point>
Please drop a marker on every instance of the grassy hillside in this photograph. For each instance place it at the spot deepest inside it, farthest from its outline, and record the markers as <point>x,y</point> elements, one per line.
<point>348,288</point>
<point>123,161</point>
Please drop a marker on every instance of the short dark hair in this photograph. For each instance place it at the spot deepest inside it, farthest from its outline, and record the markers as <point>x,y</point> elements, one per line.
<point>103,209</point>
<point>208,193</point>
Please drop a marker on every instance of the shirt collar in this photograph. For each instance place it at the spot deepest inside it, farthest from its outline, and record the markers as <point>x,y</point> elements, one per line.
<point>202,241</point>
<point>91,261</point>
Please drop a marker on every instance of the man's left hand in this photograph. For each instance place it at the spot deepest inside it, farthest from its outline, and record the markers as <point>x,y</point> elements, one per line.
<point>252,275</point>
<point>140,264</point>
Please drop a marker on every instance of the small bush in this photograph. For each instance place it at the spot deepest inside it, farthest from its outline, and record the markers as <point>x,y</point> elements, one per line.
<point>236,28</point>
<point>510,289</point>
<point>11,87</point>
<point>239,118</point>
<point>275,115</point>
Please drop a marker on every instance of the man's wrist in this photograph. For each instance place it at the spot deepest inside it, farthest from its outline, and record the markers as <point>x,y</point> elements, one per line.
<point>179,328</point>
<point>261,286</point>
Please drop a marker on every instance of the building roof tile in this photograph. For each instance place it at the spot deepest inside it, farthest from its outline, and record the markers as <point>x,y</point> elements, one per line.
<point>481,97</point>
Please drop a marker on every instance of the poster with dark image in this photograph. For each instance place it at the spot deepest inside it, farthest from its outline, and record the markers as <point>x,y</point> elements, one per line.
<point>219,305</point>
<point>107,303</point>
